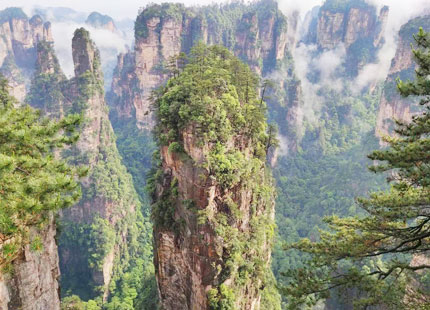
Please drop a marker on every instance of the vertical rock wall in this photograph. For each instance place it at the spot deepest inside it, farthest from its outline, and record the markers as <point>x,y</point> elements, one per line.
<point>259,35</point>
<point>19,36</point>
<point>392,105</point>
<point>33,285</point>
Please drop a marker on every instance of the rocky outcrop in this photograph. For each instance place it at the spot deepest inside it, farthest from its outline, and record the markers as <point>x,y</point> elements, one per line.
<point>33,283</point>
<point>162,31</point>
<point>349,23</point>
<point>212,224</point>
<point>192,260</point>
<point>19,36</point>
<point>109,199</point>
<point>93,245</point>
<point>392,105</point>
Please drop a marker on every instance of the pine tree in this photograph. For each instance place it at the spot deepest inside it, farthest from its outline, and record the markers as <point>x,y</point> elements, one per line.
<point>33,182</point>
<point>370,255</point>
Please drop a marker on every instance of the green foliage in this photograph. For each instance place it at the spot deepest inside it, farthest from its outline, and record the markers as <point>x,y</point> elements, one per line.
<point>185,100</point>
<point>33,183</point>
<point>75,303</point>
<point>343,5</point>
<point>344,120</point>
<point>138,283</point>
<point>46,92</point>
<point>9,68</point>
<point>395,222</point>
<point>362,51</point>
<point>214,98</point>
<point>222,299</point>
<point>161,11</point>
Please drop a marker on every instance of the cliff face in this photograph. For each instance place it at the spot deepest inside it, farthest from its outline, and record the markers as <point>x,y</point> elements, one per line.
<point>392,105</point>
<point>19,36</point>
<point>190,263</point>
<point>33,285</point>
<point>338,24</point>
<point>166,30</point>
<point>109,199</point>
<point>99,236</point>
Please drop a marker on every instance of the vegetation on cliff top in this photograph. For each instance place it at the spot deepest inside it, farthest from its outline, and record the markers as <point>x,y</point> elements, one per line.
<point>216,95</point>
<point>343,5</point>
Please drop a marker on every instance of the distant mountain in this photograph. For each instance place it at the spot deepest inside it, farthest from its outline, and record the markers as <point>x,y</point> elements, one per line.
<point>98,20</point>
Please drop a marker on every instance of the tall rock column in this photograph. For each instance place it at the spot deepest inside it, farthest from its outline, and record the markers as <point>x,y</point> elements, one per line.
<point>105,235</point>
<point>93,243</point>
<point>213,197</point>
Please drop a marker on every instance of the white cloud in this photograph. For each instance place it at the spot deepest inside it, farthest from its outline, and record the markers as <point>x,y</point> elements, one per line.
<point>284,145</point>
<point>326,65</point>
<point>303,6</point>
<point>400,13</point>
<point>110,44</point>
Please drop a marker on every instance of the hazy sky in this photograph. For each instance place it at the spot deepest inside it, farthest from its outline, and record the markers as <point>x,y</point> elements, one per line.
<point>116,8</point>
<point>128,8</point>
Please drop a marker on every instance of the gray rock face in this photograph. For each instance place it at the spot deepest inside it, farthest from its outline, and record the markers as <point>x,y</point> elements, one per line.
<point>34,282</point>
<point>264,45</point>
<point>19,36</point>
<point>392,105</point>
<point>348,26</point>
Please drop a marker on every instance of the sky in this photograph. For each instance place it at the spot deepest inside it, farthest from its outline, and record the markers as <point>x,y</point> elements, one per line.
<point>118,9</point>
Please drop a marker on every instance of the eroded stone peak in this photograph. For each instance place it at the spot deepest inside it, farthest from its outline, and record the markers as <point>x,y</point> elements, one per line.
<point>86,56</point>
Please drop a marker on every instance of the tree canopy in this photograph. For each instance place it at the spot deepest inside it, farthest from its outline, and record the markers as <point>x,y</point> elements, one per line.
<point>33,181</point>
<point>370,256</point>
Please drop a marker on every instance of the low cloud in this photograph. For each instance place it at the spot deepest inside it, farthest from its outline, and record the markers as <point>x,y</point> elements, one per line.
<point>284,145</point>
<point>110,45</point>
<point>326,65</point>
<point>400,13</point>
<point>301,6</point>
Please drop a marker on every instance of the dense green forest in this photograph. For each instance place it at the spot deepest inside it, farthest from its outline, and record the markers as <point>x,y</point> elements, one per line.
<point>371,252</point>
<point>351,223</point>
